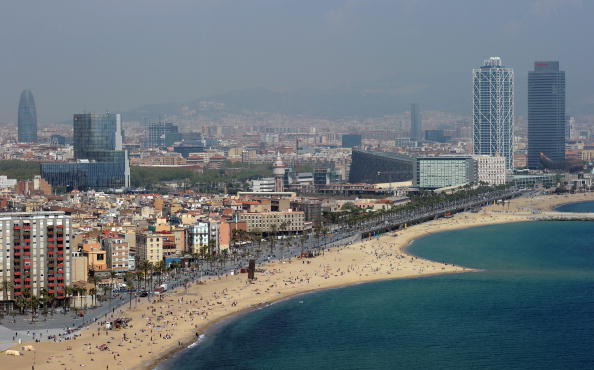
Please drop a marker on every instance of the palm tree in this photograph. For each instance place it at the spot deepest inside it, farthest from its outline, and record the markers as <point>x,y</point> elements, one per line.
<point>82,291</point>
<point>69,293</point>
<point>6,285</point>
<point>93,293</point>
<point>34,304</point>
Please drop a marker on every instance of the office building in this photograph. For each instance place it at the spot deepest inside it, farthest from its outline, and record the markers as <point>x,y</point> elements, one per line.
<point>493,110</point>
<point>416,131</point>
<point>351,140</point>
<point>546,114</point>
<point>27,119</point>
<point>160,134</point>
<point>36,254</point>
<point>95,134</point>
<point>101,164</point>
<point>445,171</point>
<point>437,136</point>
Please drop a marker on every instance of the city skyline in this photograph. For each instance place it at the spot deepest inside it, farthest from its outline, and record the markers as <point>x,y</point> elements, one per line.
<point>211,48</point>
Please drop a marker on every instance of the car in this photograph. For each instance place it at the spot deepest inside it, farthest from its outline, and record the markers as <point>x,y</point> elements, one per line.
<point>144,293</point>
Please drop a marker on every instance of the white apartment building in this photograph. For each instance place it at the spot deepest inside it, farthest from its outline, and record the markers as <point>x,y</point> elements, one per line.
<point>491,169</point>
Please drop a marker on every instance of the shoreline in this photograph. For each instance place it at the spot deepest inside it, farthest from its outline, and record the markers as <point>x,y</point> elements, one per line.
<point>231,317</point>
<point>380,258</point>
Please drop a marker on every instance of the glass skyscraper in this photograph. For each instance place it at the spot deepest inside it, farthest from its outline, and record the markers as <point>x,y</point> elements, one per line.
<point>101,164</point>
<point>415,123</point>
<point>95,134</point>
<point>546,113</point>
<point>27,120</point>
<point>493,110</point>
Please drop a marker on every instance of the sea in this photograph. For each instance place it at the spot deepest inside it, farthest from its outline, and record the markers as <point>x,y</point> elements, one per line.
<point>530,307</point>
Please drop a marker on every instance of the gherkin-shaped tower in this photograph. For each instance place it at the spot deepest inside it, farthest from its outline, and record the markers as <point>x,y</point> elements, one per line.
<point>27,121</point>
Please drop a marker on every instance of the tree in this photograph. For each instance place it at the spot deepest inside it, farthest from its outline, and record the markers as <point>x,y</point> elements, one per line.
<point>93,293</point>
<point>6,285</point>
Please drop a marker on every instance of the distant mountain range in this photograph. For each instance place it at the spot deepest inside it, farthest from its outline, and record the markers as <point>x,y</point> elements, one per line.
<point>331,104</point>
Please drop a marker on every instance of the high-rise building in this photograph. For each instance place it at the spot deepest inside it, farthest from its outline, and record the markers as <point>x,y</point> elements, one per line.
<point>101,164</point>
<point>35,255</point>
<point>158,132</point>
<point>493,110</point>
<point>546,113</point>
<point>416,132</point>
<point>94,134</point>
<point>444,171</point>
<point>27,120</point>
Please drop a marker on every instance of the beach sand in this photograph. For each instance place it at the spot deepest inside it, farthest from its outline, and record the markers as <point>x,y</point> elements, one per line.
<point>163,327</point>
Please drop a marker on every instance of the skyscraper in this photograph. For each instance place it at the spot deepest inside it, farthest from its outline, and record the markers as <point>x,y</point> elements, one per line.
<point>94,134</point>
<point>546,113</point>
<point>415,123</point>
<point>493,110</point>
<point>27,121</point>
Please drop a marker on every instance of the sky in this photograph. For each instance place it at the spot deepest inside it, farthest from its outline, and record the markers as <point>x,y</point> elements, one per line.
<point>98,55</point>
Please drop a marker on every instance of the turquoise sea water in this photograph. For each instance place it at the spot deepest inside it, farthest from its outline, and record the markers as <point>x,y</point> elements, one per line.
<point>532,308</point>
<point>582,207</point>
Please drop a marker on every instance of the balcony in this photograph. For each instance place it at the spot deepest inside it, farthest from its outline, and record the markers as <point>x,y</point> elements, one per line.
<point>50,278</point>
<point>17,254</point>
<point>50,239</point>
<point>51,291</point>
<point>51,285</point>
<point>27,279</point>
<point>50,252</point>
<point>60,284</point>
<point>16,227</point>
<point>28,286</point>
<point>17,280</point>
<point>17,273</point>
<point>17,293</point>
<point>60,265</point>
<point>18,286</point>
<point>60,258</point>
<point>60,277</point>
<point>27,253</point>
<point>60,271</point>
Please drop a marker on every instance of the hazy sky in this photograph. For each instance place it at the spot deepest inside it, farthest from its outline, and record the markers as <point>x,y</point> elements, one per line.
<point>119,54</point>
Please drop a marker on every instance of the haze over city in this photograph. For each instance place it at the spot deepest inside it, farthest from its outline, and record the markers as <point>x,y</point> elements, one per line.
<point>117,56</point>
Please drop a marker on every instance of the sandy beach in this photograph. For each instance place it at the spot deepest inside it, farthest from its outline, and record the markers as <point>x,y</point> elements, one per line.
<point>164,326</point>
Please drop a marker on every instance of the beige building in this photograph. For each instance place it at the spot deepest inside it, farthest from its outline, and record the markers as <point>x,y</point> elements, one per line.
<point>79,267</point>
<point>149,247</point>
<point>284,221</point>
<point>96,257</point>
<point>117,252</point>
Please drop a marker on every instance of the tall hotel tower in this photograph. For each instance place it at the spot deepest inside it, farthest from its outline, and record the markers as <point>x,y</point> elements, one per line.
<point>493,110</point>
<point>546,113</point>
<point>27,120</point>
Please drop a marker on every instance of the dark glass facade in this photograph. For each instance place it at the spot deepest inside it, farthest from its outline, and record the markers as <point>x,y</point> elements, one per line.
<point>380,167</point>
<point>27,120</point>
<point>158,131</point>
<point>351,140</point>
<point>96,133</point>
<point>415,123</point>
<point>546,113</point>
<point>83,176</point>
<point>101,163</point>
